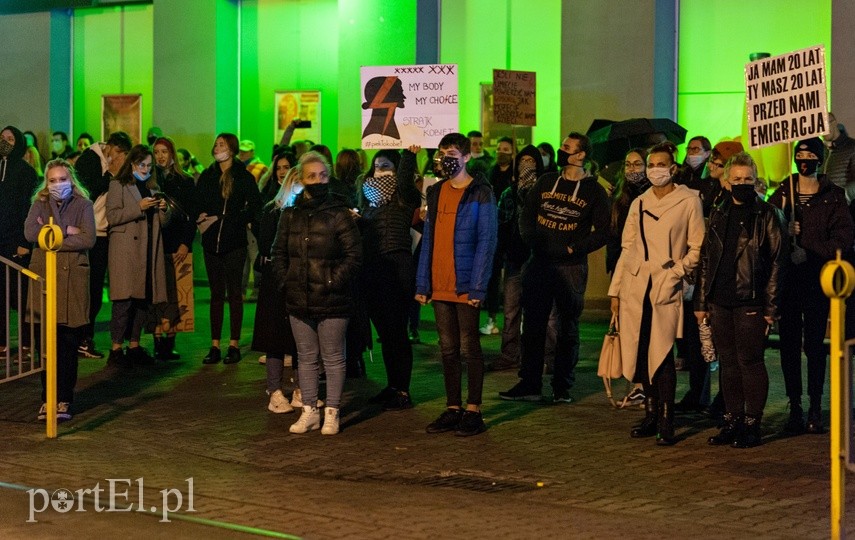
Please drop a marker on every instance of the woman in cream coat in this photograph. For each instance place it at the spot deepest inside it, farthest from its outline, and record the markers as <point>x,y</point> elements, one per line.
<point>661,244</point>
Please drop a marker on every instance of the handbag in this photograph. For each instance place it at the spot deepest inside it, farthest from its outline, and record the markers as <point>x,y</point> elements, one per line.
<point>610,366</point>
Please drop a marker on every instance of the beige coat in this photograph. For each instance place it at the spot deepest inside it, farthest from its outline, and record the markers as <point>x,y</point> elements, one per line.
<point>674,249</point>
<point>128,233</point>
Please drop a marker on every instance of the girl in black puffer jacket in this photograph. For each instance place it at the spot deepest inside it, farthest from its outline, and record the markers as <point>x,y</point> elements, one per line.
<point>316,254</point>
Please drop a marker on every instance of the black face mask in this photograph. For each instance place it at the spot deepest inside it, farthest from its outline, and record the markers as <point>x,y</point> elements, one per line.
<point>743,193</point>
<point>450,167</point>
<point>807,167</point>
<point>563,159</point>
<point>317,191</point>
<point>5,148</point>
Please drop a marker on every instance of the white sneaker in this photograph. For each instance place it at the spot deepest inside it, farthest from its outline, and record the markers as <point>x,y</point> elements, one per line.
<point>330,421</point>
<point>278,404</point>
<point>297,400</point>
<point>489,329</point>
<point>309,420</point>
<point>42,412</point>
<point>262,359</point>
<point>288,361</point>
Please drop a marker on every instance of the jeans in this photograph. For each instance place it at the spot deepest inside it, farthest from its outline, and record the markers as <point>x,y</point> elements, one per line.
<point>67,341</point>
<point>225,271</point>
<point>513,313</point>
<point>275,366</point>
<point>545,283</point>
<point>739,335</point>
<point>324,338</point>
<point>459,339</point>
<point>127,319</point>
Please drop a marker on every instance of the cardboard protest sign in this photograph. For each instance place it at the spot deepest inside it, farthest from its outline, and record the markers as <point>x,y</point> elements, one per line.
<point>514,97</point>
<point>786,97</point>
<point>426,95</point>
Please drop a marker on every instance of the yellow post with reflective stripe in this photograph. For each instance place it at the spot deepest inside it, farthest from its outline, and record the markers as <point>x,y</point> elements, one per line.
<point>838,280</point>
<point>50,240</point>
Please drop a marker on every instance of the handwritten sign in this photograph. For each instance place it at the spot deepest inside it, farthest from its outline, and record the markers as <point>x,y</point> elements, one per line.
<point>514,97</point>
<point>786,97</point>
<point>405,105</point>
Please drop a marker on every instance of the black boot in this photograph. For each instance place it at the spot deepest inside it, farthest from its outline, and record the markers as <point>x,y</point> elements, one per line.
<point>647,427</point>
<point>729,432</point>
<point>665,434</point>
<point>168,352</point>
<point>796,423</point>
<point>158,348</point>
<point>814,421</point>
<point>749,435</point>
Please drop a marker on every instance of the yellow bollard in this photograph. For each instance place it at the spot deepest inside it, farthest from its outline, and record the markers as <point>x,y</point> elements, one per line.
<point>838,281</point>
<point>50,240</point>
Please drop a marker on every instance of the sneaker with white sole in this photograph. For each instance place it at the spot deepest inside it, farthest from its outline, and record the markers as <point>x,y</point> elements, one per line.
<point>42,412</point>
<point>330,421</point>
<point>278,403</point>
<point>297,400</point>
<point>635,397</point>
<point>489,329</point>
<point>310,420</point>
<point>63,411</point>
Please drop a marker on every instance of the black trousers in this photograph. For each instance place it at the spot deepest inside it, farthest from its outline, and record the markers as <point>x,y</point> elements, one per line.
<point>664,385</point>
<point>739,335</point>
<point>389,288</point>
<point>98,263</point>
<point>67,341</point>
<point>225,272</point>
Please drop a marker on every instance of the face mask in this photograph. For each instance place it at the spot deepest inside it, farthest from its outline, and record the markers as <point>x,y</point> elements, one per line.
<point>317,191</point>
<point>563,159</point>
<point>140,177</point>
<point>61,191</point>
<point>5,148</point>
<point>743,193</point>
<point>545,161</point>
<point>527,177</point>
<point>478,155</point>
<point>696,161</point>
<point>659,176</point>
<point>450,167</point>
<point>222,156</point>
<point>503,158</point>
<point>380,189</point>
<point>57,146</point>
<point>807,167</point>
<point>636,177</point>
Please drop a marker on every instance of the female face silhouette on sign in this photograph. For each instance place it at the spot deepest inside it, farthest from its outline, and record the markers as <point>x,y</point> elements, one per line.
<point>383,95</point>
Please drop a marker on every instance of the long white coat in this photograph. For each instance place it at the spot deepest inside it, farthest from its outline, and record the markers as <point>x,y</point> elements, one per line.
<point>673,250</point>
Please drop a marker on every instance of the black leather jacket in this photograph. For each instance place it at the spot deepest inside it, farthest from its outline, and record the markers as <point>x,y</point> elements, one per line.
<point>761,256</point>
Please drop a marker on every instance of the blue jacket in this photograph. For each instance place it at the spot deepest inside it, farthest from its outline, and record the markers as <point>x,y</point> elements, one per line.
<point>474,239</point>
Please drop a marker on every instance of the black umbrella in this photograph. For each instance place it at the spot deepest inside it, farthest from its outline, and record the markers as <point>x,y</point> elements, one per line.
<point>611,142</point>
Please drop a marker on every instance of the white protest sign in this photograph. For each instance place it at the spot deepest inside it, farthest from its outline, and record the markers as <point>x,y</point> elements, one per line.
<point>426,96</point>
<point>786,97</point>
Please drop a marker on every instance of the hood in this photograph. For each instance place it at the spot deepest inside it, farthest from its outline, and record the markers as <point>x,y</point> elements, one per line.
<point>532,152</point>
<point>658,206</point>
<point>20,143</point>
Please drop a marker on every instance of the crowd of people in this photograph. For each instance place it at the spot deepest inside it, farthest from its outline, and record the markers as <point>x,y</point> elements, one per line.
<point>337,246</point>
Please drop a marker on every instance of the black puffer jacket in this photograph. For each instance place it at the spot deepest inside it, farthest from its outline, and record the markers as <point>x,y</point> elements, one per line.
<point>18,182</point>
<point>181,228</point>
<point>242,207</point>
<point>316,254</point>
<point>386,229</point>
<point>761,257</point>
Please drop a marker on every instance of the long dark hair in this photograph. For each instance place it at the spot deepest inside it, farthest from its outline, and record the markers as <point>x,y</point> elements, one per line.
<point>621,196</point>
<point>136,155</point>
<point>227,178</point>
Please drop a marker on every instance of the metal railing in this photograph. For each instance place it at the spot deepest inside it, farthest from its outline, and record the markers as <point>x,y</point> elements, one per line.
<point>26,360</point>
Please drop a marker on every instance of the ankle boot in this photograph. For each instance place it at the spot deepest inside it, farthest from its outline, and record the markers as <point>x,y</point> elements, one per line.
<point>331,421</point>
<point>814,420</point>
<point>665,434</point>
<point>169,352</point>
<point>729,432</point>
<point>749,435</point>
<point>647,427</point>
<point>796,422</point>
<point>158,348</point>
<point>309,420</point>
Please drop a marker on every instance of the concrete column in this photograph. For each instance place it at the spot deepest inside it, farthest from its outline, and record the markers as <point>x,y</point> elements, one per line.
<point>427,31</point>
<point>60,72</point>
<point>196,71</point>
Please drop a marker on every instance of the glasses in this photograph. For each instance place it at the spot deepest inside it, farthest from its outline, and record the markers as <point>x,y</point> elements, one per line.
<point>715,164</point>
<point>694,149</point>
<point>633,164</point>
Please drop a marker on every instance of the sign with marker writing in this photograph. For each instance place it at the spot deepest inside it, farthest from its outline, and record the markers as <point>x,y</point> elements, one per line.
<point>406,105</point>
<point>514,97</point>
<point>786,97</point>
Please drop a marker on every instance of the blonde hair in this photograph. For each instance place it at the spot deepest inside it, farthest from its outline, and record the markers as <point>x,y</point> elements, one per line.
<point>43,194</point>
<point>740,159</point>
<point>283,196</point>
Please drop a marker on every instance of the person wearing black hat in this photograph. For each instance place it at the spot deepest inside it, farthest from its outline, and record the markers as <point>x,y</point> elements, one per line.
<point>820,223</point>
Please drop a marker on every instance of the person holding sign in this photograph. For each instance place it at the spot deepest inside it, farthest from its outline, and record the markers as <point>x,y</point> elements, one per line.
<point>738,293</point>
<point>820,223</point>
<point>661,244</point>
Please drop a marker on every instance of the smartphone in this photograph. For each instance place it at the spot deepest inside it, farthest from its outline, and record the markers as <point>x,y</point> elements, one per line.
<point>303,124</point>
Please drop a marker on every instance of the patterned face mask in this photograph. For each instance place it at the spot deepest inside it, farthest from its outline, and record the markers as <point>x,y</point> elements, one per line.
<point>527,176</point>
<point>378,190</point>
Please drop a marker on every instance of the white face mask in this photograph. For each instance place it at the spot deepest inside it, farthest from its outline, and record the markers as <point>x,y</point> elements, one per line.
<point>659,176</point>
<point>57,146</point>
<point>60,191</point>
<point>222,156</point>
<point>696,161</point>
<point>478,155</point>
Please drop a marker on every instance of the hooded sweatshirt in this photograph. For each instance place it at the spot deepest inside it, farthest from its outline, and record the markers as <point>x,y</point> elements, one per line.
<point>18,182</point>
<point>510,242</point>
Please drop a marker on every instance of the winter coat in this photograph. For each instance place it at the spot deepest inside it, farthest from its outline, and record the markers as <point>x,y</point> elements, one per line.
<point>129,244</point>
<point>92,171</point>
<point>761,257</point>
<point>229,231</point>
<point>181,228</point>
<point>18,182</point>
<point>510,243</point>
<point>72,260</point>
<point>474,239</point>
<point>663,252</point>
<point>316,254</point>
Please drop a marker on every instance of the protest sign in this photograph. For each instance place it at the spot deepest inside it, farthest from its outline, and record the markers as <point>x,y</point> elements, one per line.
<point>514,97</point>
<point>426,95</point>
<point>786,97</point>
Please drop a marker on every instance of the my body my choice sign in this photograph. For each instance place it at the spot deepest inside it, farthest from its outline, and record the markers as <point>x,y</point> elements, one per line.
<point>786,97</point>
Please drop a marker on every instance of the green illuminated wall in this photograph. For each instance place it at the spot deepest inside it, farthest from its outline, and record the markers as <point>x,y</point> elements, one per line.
<point>714,46</point>
<point>480,35</point>
<point>113,53</point>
